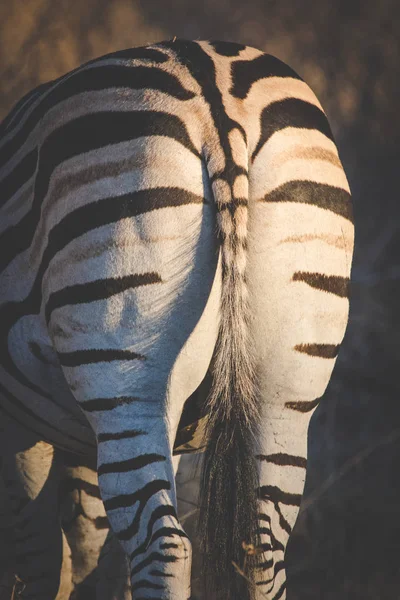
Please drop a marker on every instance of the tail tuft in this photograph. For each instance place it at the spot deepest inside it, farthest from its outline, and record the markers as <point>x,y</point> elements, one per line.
<point>228,510</point>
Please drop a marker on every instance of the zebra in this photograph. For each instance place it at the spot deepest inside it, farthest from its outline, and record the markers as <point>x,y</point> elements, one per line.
<point>175,214</point>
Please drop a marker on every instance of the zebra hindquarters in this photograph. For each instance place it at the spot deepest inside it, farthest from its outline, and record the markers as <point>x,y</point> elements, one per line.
<point>133,347</point>
<point>300,250</point>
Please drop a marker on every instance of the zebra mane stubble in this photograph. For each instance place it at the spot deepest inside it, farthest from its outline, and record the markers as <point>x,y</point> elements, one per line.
<point>229,483</point>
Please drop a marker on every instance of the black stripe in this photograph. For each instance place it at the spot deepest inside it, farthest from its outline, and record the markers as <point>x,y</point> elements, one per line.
<point>100,404</point>
<point>98,79</point>
<point>291,112</point>
<point>71,484</point>
<point>274,545</point>
<point>141,495</point>
<point>101,523</point>
<point>333,284</point>
<point>277,546</point>
<point>284,460</point>
<point>21,107</point>
<point>224,175</point>
<point>234,204</point>
<point>278,566</point>
<point>283,523</point>
<point>321,195</point>
<point>153,557</point>
<point>320,350</point>
<point>145,584</point>
<point>156,573</point>
<point>303,406</point>
<point>151,537</point>
<point>141,52</point>
<point>264,548</point>
<point>133,77</point>
<point>168,546</point>
<point>164,532</point>
<point>267,564</point>
<point>105,212</point>
<point>131,464</point>
<point>264,517</point>
<point>100,289</point>
<point>280,592</point>
<point>119,435</point>
<point>265,530</point>
<point>274,493</point>
<point>165,510</point>
<point>82,135</point>
<point>37,352</point>
<point>88,357</point>
<point>168,532</point>
<point>93,215</point>
<point>202,68</point>
<point>266,582</point>
<point>95,78</point>
<point>151,598</point>
<point>246,72</point>
<point>22,173</point>
<point>227,48</point>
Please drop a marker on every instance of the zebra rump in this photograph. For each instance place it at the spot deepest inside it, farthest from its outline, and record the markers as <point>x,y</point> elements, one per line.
<point>173,214</point>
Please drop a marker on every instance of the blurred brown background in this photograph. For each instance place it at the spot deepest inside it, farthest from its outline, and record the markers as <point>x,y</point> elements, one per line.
<point>347,542</point>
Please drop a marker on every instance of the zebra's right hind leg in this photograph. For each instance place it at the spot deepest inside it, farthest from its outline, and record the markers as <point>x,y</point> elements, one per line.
<point>30,472</point>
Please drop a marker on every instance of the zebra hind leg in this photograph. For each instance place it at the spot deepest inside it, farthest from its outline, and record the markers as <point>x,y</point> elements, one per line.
<point>99,566</point>
<point>135,434</point>
<point>31,477</point>
<point>301,239</point>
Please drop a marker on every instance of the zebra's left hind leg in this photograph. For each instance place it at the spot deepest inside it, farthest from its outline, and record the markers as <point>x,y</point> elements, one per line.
<point>136,477</point>
<point>31,476</point>
<point>135,436</point>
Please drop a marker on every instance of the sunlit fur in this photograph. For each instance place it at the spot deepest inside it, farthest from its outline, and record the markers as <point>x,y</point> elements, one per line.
<point>167,211</point>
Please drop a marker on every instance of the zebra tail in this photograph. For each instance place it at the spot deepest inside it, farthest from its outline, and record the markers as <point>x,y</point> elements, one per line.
<point>229,482</point>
